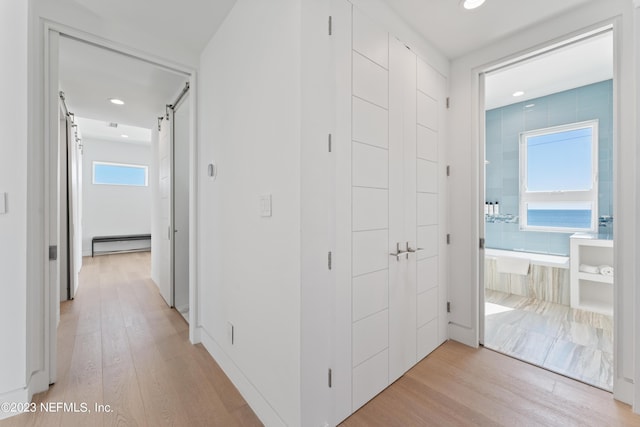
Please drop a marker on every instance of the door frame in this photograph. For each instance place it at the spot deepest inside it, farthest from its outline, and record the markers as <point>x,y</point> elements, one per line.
<point>621,390</point>
<point>51,31</point>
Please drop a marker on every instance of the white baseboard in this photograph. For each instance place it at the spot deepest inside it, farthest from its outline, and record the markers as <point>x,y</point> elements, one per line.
<point>20,395</point>
<point>249,392</point>
<point>463,335</point>
<point>623,391</point>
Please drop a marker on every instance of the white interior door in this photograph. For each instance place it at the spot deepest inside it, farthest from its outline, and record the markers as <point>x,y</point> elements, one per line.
<point>393,169</point>
<point>165,154</point>
<point>181,208</point>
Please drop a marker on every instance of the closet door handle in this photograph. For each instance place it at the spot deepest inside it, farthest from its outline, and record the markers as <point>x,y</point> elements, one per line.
<point>411,250</point>
<point>398,252</point>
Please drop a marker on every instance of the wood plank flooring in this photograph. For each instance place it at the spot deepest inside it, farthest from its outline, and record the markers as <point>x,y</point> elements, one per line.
<point>460,386</point>
<point>120,345</point>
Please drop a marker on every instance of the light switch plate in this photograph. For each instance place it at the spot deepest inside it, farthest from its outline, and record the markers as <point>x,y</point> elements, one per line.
<point>3,203</point>
<point>265,205</point>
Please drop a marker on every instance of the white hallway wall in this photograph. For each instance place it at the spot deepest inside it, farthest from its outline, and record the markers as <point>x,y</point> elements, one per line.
<point>248,265</point>
<point>13,181</point>
<point>113,209</point>
<point>465,206</point>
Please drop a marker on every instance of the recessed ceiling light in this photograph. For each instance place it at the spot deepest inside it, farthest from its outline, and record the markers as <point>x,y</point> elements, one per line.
<point>124,136</point>
<point>518,93</point>
<point>472,4</point>
<point>529,105</point>
<point>116,101</point>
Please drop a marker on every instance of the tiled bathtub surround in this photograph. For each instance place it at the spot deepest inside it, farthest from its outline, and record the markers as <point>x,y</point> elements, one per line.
<point>503,128</point>
<point>542,283</point>
<point>575,343</point>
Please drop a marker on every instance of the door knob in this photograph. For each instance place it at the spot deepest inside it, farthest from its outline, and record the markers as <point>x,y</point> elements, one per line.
<point>398,252</point>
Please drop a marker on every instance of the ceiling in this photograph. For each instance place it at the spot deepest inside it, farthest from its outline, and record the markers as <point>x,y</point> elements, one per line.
<point>187,24</point>
<point>456,31</point>
<point>90,128</point>
<point>576,65</point>
<point>89,76</point>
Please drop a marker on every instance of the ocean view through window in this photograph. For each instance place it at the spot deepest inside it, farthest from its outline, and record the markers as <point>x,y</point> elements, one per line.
<point>558,178</point>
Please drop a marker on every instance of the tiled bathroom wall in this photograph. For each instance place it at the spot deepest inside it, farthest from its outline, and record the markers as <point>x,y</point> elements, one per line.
<point>503,128</point>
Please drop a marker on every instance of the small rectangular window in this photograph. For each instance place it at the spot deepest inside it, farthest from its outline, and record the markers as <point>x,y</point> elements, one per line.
<point>105,173</point>
<point>559,178</point>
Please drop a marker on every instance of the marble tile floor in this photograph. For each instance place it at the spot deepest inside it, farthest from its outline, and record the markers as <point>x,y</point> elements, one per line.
<point>571,342</point>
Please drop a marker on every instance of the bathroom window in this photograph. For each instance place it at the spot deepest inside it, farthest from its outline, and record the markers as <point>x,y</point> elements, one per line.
<point>559,178</point>
<point>120,174</point>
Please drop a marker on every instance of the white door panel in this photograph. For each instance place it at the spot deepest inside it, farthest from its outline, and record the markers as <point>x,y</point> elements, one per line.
<point>370,124</point>
<point>370,81</point>
<point>388,199</point>
<point>370,40</point>
<point>370,209</point>
<point>166,234</point>
<point>370,294</point>
<point>370,166</point>
<point>370,336</point>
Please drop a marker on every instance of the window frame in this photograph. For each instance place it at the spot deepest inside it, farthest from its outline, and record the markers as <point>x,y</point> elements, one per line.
<point>559,196</point>
<point>128,165</point>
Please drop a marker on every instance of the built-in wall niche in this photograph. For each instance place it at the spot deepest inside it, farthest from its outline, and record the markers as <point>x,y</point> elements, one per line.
<point>504,127</point>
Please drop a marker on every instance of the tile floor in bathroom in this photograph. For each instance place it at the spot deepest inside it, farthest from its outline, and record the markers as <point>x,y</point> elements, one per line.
<point>571,342</point>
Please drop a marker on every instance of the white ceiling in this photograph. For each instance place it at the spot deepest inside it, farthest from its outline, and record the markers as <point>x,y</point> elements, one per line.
<point>188,24</point>
<point>579,64</point>
<point>89,128</point>
<point>89,76</point>
<point>456,31</point>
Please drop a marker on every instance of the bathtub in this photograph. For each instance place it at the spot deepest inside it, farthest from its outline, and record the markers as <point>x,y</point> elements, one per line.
<point>547,278</point>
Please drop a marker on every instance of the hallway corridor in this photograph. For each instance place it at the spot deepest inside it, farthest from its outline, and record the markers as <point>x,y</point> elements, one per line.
<point>120,345</point>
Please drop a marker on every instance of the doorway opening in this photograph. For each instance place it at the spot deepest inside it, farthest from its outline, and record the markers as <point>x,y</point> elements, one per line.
<point>547,268</point>
<point>107,194</point>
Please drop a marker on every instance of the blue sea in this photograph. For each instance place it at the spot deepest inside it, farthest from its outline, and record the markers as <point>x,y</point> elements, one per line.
<point>559,218</point>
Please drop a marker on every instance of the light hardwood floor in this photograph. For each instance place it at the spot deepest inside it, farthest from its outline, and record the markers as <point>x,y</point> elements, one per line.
<point>120,345</point>
<point>460,386</point>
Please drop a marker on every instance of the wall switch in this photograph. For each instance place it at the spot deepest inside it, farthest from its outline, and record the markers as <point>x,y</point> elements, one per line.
<point>3,203</point>
<point>265,205</point>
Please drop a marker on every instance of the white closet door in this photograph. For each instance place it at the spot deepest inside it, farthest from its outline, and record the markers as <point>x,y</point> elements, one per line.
<point>166,228</point>
<point>431,188</point>
<point>402,225</point>
<point>370,211</point>
<point>389,311</point>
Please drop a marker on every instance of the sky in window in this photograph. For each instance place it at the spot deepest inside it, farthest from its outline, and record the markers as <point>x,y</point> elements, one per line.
<point>119,174</point>
<point>560,161</point>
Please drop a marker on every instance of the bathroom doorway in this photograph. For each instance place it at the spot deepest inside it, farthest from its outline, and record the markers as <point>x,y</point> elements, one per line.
<point>547,271</point>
